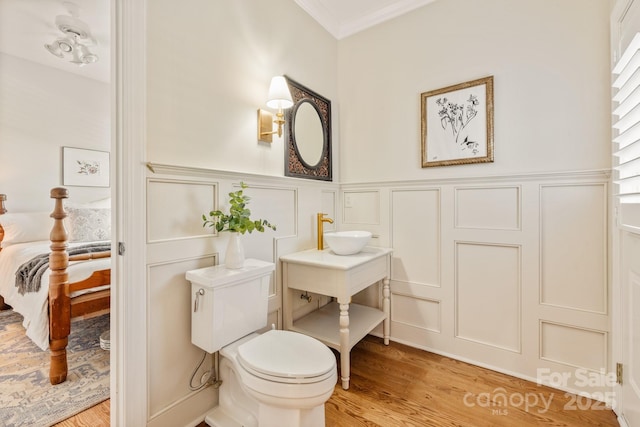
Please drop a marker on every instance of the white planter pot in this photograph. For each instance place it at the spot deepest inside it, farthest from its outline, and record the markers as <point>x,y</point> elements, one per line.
<point>234,257</point>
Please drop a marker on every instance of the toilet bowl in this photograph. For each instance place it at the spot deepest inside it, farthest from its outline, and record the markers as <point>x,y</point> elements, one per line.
<point>275,379</point>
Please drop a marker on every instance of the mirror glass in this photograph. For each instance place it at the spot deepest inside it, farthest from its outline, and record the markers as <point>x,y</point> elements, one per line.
<point>308,133</point>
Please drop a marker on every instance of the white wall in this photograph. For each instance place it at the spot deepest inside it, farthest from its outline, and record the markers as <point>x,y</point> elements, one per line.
<point>550,65</point>
<point>210,66</point>
<point>41,110</point>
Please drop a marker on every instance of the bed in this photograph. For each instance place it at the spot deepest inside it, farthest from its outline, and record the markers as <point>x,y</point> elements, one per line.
<point>74,277</point>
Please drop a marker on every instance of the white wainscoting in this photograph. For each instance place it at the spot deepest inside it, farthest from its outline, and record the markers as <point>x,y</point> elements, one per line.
<point>176,242</point>
<point>573,246</point>
<point>488,303</point>
<point>506,272</point>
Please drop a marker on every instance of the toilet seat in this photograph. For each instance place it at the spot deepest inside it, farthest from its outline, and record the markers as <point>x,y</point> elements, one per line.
<point>287,357</point>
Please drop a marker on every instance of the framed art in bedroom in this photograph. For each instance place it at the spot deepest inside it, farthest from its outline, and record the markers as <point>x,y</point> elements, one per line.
<point>85,168</point>
<point>457,124</point>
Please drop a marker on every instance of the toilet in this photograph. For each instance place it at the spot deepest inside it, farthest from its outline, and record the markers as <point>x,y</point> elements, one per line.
<point>274,379</point>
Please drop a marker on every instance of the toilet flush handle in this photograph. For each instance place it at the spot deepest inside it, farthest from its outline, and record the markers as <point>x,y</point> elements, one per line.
<point>199,293</point>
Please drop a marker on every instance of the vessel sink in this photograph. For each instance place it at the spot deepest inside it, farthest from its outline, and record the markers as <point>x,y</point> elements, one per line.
<point>347,242</point>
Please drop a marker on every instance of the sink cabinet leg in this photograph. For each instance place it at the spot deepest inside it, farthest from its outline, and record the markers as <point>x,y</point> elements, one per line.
<point>386,307</point>
<point>345,356</point>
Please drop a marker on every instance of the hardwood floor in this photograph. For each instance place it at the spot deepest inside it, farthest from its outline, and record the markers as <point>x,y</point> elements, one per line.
<point>397,385</point>
<point>96,416</point>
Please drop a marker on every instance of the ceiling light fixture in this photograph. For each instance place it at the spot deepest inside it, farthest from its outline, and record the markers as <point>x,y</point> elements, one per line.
<point>74,44</point>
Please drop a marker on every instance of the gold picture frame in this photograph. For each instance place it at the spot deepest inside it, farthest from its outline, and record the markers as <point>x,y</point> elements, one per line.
<point>457,124</point>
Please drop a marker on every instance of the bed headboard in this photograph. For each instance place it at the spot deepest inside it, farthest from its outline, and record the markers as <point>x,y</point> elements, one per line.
<point>3,210</point>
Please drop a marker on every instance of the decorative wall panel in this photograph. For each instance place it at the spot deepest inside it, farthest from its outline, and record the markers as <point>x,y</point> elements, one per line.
<point>169,336</point>
<point>488,294</point>
<point>415,231</point>
<point>361,207</point>
<point>633,335</point>
<point>175,209</point>
<point>573,346</point>
<point>418,312</point>
<point>573,242</point>
<point>496,208</point>
<point>278,206</point>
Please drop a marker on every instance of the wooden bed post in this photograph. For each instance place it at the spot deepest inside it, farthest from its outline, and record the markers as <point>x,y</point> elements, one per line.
<point>59,301</point>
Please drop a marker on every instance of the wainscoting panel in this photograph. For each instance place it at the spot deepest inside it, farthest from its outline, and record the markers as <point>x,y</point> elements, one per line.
<point>496,208</point>
<point>171,355</point>
<point>329,206</point>
<point>417,312</point>
<point>488,294</point>
<point>480,263</point>
<point>278,205</point>
<point>415,231</point>
<point>361,207</point>
<point>176,242</point>
<point>177,208</point>
<point>566,344</point>
<point>573,246</point>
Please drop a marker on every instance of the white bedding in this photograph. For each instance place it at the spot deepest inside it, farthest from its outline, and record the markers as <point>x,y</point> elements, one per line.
<point>33,305</point>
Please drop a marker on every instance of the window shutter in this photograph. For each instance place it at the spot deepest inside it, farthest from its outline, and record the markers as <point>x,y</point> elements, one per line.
<point>626,150</point>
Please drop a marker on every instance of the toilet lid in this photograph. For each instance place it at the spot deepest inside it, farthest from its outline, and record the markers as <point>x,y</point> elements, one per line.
<point>286,356</point>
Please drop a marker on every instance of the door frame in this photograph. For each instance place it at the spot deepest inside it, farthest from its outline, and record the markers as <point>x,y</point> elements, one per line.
<point>129,297</point>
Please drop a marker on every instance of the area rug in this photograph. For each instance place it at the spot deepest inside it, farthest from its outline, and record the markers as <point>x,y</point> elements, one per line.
<point>26,396</point>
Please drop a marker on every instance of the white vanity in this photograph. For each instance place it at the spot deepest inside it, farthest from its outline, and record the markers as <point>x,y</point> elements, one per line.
<point>339,324</point>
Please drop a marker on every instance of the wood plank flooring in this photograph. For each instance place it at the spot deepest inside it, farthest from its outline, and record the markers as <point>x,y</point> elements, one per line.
<point>96,416</point>
<point>396,385</point>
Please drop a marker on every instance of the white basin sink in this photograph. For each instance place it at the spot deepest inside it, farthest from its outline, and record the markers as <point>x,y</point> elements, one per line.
<point>347,242</point>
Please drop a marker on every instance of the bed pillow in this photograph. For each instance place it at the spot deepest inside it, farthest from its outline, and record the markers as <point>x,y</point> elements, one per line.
<point>25,227</point>
<point>88,224</point>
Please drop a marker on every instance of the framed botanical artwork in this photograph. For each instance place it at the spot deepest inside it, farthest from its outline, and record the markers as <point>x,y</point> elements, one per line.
<point>457,124</point>
<point>85,168</point>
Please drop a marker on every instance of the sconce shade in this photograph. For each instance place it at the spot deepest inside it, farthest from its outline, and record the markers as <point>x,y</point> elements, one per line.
<point>279,95</point>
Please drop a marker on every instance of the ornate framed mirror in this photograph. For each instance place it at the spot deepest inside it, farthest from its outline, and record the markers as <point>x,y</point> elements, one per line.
<point>307,134</point>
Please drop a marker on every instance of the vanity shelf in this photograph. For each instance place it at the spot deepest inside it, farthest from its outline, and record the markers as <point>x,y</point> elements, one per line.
<point>324,323</point>
<point>339,324</point>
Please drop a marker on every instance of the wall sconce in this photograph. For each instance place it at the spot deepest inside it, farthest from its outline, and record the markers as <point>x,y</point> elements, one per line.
<point>280,98</point>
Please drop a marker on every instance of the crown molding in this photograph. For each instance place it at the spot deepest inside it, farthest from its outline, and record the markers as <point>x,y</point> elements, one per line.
<point>328,14</point>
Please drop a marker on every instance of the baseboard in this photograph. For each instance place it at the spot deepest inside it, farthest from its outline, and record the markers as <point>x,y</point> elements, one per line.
<point>622,421</point>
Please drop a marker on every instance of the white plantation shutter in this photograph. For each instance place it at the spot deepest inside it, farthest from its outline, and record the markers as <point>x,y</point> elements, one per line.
<point>626,113</point>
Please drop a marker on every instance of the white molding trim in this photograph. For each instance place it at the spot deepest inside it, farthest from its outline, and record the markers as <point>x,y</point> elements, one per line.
<point>128,314</point>
<point>339,27</point>
<point>622,421</point>
<point>379,16</point>
<point>322,15</point>
<point>598,175</point>
<point>194,172</point>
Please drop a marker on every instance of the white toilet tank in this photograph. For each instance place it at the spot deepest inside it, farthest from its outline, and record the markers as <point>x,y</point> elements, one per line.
<point>228,304</point>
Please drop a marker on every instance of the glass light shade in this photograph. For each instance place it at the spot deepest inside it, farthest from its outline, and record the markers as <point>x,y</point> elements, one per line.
<point>86,56</point>
<point>54,48</point>
<point>279,95</point>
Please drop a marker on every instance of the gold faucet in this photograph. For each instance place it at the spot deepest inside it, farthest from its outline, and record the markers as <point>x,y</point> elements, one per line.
<point>321,221</point>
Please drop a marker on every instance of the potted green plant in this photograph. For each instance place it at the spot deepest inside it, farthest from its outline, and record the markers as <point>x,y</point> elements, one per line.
<point>238,221</point>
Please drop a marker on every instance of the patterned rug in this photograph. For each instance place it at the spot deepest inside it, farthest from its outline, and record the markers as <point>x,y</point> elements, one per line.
<point>26,396</point>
